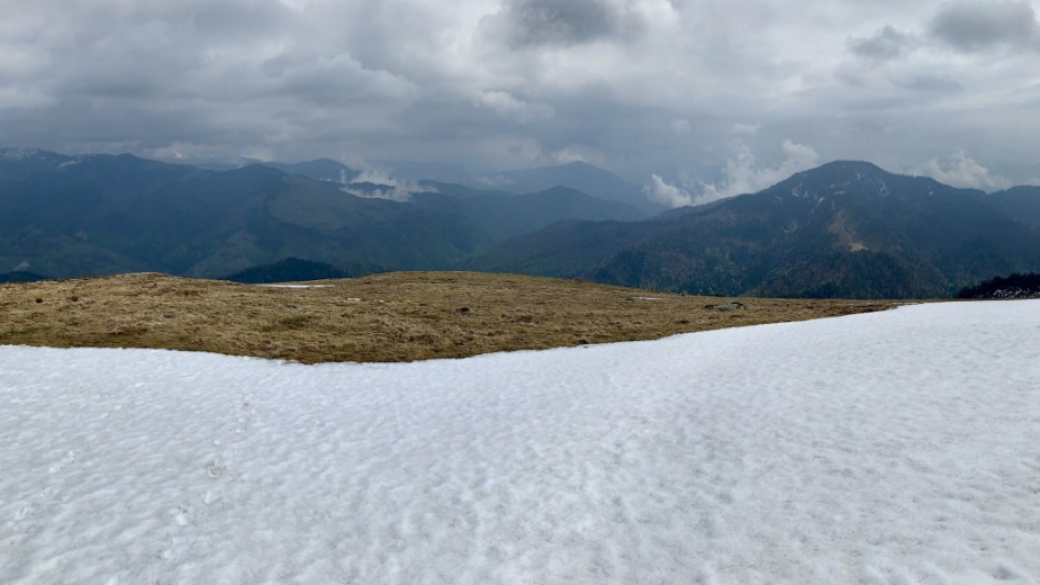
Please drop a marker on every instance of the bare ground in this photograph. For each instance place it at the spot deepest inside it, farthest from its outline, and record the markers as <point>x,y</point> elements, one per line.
<point>393,317</point>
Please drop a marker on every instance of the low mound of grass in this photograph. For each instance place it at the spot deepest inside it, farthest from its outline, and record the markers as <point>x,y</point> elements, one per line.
<point>391,317</point>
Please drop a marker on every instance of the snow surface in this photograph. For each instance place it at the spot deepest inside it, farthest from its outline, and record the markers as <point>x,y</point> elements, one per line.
<point>899,447</point>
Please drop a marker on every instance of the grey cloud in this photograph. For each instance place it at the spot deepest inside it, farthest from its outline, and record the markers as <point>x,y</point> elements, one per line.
<point>232,20</point>
<point>83,125</point>
<point>507,105</point>
<point>974,25</point>
<point>931,83</point>
<point>963,171</point>
<point>886,44</point>
<point>131,85</point>
<point>641,87</point>
<point>238,75</point>
<point>330,81</point>
<point>533,23</point>
<point>153,51</point>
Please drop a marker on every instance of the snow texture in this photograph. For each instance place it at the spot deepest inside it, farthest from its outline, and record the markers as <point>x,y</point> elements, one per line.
<point>897,447</point>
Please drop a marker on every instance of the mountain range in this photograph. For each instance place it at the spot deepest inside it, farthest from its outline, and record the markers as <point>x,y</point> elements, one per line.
<point>66,216</point>
<point>845,229</point>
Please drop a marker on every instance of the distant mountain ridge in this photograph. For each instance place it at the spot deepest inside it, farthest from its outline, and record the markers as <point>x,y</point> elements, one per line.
<point>297,270</point>
<point>845,229</point>
<point>580,176</point>
<point>101,214</point>
<point>19,276</point>
<point>320,170</point>
<point>514,215</point>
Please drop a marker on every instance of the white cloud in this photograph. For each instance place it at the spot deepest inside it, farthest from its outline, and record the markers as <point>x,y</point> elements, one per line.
<point>376,176</point>
<point>661,192</point>
<point>377,183</point>
<point>574,153</point>
<point>749,130</point>
<point>744,174</point>
<point>504,104</point>
<point>961,170</point>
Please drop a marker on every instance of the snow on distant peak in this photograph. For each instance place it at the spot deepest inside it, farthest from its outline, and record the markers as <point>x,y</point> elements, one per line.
<point>20,153</point>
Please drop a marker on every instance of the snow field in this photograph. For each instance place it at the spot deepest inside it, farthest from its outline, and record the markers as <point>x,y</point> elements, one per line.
<point>890,448</point>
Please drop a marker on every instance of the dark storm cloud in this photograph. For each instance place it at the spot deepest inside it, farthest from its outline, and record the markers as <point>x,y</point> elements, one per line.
<point>886,44</point>
<point>974,25</point>
<point>533,23</point>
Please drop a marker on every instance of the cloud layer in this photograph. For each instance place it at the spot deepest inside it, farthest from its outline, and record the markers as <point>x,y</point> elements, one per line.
<point>974,25</point>
<point>651,89</point>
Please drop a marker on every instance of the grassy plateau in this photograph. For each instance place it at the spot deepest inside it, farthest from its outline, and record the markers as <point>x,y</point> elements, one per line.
<point>394,317</point>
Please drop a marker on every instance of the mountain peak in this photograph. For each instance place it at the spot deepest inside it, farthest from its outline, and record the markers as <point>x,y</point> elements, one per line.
<point>843,170</point>
<point>853,165</point>
<point>580,164</point>
<point>859,179</point>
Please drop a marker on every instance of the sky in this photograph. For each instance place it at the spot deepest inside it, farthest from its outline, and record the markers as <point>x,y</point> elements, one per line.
<point>694,99</point>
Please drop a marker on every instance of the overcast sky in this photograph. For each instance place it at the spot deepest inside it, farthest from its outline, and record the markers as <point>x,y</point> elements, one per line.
<point>689,97</point>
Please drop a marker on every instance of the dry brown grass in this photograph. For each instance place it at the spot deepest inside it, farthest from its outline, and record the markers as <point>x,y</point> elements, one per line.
<point>384,318</point>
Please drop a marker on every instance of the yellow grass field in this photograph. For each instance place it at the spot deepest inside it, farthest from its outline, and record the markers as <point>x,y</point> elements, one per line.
<point>394,317</point>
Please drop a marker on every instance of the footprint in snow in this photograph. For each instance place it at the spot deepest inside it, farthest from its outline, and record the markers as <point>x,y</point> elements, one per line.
<point>214,469</point>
